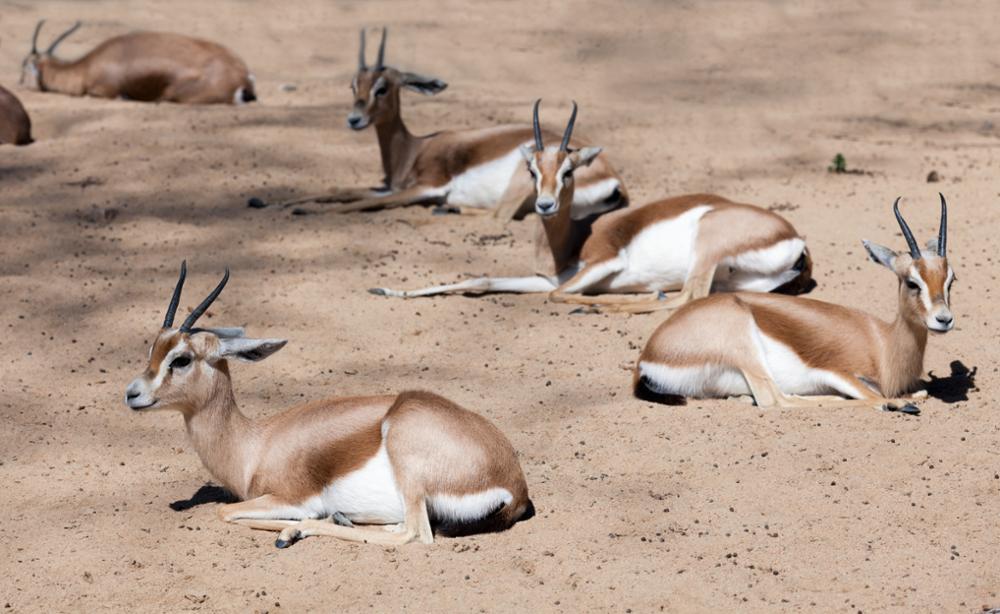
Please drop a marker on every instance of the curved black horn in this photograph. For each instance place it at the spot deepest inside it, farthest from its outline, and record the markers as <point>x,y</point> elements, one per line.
<point>379,65</point>
<point>62,37</point>
<point>168,321</point>
<point>205,304</point>
<point>907,234</point>
<point>569,130</point>
<point>537,127</point>
<point>361,52</point>
<point>34,37</point>
<point>943,231</point>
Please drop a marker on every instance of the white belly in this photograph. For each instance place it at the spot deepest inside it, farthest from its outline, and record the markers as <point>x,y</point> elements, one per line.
<point>759,270</point>
<point>483,186</point>
<point>660,257</point>
<point>368,495</point>
<point>794,376</point>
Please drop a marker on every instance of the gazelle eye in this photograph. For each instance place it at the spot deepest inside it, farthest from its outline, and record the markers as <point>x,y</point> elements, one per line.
<point>381,91</point>
<point>567,176</point>
<point>180,362</point>
<point>912,285</point>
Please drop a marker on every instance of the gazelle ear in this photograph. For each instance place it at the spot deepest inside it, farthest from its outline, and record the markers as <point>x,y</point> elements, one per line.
<point>882,255</point>
<point>248,350</point>
<point>228,332</point>
<point>527,152</point>
<point>586,155</point>
<point>422,84</point>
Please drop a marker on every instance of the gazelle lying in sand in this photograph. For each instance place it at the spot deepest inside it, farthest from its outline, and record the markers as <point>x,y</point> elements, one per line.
<point>694,243</point>
<point>146,66</point>
<point>414,458</point>
<point>15,125</point>
<point>467,169</point>
<point>777,347</point>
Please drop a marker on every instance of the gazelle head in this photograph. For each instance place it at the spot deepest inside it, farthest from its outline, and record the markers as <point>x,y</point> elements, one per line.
<point>376,89</point>
<point>925,276</point>
<point>186,364</point>
<point>552,169</point>
<point>36,61</point>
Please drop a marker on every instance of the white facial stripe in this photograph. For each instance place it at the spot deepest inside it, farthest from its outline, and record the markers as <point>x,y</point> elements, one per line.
<point>538,176</point>
<point>947,286</point>
<point>925,295</point>
<point>165,364</point>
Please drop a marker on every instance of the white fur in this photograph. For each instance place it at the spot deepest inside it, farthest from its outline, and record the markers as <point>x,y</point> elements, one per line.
<point>793,376</point>
<point>660,256</point>
<point>596,274</point>
<point>368,495</point>
<point>482,186</point>
<point>759,270</point>
<point>710,380</point>
<point>589,199</point>
<point>466,508</point>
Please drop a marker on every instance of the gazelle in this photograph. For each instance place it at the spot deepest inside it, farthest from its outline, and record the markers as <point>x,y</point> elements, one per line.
<point>15,125</point>
<point>465,169</point>
<point>145,66</point>
<point>413,458</point>
<point>694,243</point>
<point>778,347</point>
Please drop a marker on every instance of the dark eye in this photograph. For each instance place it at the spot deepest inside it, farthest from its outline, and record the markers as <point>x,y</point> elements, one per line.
<point>912,285</point>
<point>180,362</point>
<point>531,172</point>
<point>567,176</point>
<point>381,91</point>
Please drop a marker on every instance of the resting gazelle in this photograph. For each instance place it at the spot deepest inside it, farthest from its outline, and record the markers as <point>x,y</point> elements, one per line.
<point>779,347</point>
<point>466,169</point>
<point>15,125</point>
<point>412,459</point>
<point>695,243</point>
<point>145,66</point>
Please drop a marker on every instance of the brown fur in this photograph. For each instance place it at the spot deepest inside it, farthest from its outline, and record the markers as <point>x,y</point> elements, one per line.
<point>15,125</point>
<point>151,67</point>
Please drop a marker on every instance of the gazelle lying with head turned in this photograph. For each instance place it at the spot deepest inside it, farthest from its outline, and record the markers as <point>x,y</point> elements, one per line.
<point>695,244</point>
<point>466,169</point>
<point>15,125</point>
<point>145,66</point>
<point>778,347</point>
<point>414,458</point>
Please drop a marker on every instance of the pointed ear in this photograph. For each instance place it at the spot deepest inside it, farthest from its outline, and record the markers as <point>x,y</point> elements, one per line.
<point>527,152</point>
<point>249,350</point>
<point>422,84</point>
<point>882,255</point>
<point>583,157</point>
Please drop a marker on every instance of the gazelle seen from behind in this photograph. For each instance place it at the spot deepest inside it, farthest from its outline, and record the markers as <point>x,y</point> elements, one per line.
<point>15,125</point>
<point>695,243</point>
<point>465,169</point>
<point>414,459</point>
<point>145,66</point>
<point>777,348</point>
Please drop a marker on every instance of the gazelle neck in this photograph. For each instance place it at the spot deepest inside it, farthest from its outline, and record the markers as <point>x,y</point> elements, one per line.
<point>565,237</point>
<point>223,436</point>
<point>398,148</point>
<point>903,363</point>
<point>60,76</point>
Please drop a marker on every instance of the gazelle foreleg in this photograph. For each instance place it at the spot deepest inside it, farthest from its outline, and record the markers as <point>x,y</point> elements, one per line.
<point>342,195</point>
<point>411,196</point>
<point>416,526</point>
<point>588,278</point>
<point>767,394</point>
<point>517,285</point>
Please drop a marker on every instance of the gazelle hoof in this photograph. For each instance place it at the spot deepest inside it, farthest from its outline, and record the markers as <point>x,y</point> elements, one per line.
<point>256,203</point>
<point>378,291</point>
<point>301,211</point>
<point>287,538</point>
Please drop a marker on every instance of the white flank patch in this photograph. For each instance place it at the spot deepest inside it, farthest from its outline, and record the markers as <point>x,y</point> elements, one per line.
<point>368,495</point>
<point>238,96</point>
<point>482,187</point>
<point>794,376</point>
<point>589,199</point>
<point>466,508</point>
<point>660,257</point>
<point>760,270</point>
<point>699,381</point>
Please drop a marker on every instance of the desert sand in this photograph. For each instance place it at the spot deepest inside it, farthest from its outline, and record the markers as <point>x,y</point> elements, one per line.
<point>712,506</point>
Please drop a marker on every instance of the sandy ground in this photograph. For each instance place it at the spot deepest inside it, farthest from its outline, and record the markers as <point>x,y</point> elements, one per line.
<point>715,506</point>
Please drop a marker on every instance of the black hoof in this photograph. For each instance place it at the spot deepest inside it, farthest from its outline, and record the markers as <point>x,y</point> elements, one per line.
<point>910,409</point>
<point>280,543</point>
<point>256,203</point>
<point>443,210</point>
<point>300,211</point>
<point>378,291</point>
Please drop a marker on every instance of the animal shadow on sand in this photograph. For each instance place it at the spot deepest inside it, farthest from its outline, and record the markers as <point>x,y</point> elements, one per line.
<point>955,387</point>
<point>208,493</point>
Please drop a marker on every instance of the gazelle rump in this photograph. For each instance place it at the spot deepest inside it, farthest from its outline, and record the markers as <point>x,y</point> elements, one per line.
<point>465,169</point>
<point>414,459</point>
<point>778,347</point>
<point>15,125</point>
<point>694,243</point>
<point>144,66</point>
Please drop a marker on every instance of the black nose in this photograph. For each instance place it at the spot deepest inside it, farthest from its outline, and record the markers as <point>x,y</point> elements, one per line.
<point>545,206</point>
<point>946,320</point>
<point>131,395</point>
<point>354,121</point>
